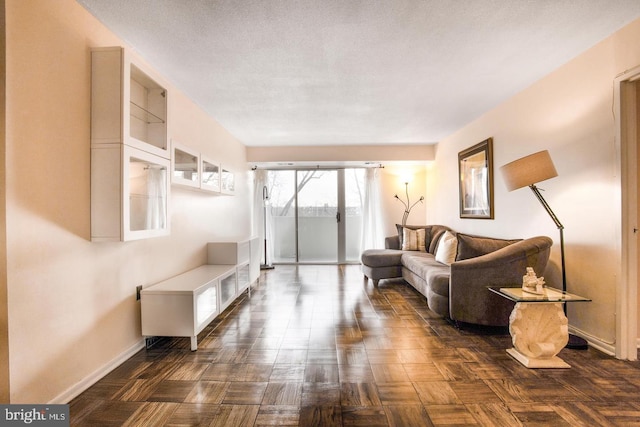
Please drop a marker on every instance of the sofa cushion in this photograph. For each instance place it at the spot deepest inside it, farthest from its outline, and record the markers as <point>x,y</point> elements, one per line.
<point>427,232</point>
<point>438,280</point>
<point>447,246</point>
<point>420,262</point>
<point>381,257</point>
<point>474,246</point>
<point>413,240</point>
<point>434,273</point>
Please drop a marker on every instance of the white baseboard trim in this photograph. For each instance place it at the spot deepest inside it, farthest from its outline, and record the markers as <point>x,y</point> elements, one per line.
<point>605,347</point>
<point>602,346</point>
<point>76,389</point>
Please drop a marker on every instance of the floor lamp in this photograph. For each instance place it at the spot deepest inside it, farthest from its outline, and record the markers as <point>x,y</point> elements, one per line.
<point>526,172</point>
<point>265,202</point>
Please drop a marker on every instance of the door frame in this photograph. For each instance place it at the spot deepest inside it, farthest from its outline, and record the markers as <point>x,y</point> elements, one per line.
<point>626,111</point>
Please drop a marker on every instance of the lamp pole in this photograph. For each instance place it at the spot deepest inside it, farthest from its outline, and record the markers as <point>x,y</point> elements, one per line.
<point>265,200</point>
<point>555,219</point>
<point>575,342</point>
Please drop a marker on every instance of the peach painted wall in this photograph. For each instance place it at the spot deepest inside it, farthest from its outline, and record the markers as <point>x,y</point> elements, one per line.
<point>4,314</point>
<point>393,177</point>
<point>72,307</point>
<point>569,113</point>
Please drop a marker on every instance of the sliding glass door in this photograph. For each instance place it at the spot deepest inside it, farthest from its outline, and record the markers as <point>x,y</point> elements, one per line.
<point>282,205</point>
<point>354,201</point>
<point>316,215</point>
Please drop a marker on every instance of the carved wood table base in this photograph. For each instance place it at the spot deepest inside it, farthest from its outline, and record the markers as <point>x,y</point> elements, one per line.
<point>539,331</point>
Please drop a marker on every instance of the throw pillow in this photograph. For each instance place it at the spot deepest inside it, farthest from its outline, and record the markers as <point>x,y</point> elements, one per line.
<point>447,248</point>
<point>427,233</point>
<point>475,246</point>
<point>436,233</point>
<point>413,240</point>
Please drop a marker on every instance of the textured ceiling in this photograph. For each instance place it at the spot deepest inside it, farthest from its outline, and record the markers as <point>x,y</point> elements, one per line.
<point>303,72</point>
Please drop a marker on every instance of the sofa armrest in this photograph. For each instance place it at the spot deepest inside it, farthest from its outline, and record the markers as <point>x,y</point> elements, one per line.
<point>392,242</point>
<point>469,299</point>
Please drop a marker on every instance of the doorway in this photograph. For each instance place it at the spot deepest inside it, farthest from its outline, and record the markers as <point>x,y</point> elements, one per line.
<point>316,215</point>
<point>627,114</point>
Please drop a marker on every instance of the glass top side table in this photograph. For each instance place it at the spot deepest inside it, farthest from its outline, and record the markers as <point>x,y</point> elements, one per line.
<point>538,326</point>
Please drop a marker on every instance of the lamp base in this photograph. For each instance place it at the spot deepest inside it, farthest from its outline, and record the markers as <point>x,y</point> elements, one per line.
<point>577,343</point>
<point>266,267</point>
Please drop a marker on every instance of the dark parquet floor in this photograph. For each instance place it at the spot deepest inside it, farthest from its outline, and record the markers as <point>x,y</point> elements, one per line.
<point>317,346</point>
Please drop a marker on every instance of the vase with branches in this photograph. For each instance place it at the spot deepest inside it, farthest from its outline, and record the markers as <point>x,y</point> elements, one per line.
<point>407,205</point>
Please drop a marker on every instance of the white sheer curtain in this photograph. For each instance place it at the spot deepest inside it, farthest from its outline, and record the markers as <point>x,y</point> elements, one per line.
<point>157,197</point>
<point>372,230</point>
<point>260,222</point>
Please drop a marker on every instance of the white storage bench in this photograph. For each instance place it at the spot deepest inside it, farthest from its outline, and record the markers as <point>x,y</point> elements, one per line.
<point>183,305</point>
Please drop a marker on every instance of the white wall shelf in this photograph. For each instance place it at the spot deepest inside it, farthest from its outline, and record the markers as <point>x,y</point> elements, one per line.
<point>129,194</point>
<point>129,149</point>
<point>185,166</point>
<point>191,169</point>
<point>228,181</point>
<point>128,105</point>
<point>211,175</point>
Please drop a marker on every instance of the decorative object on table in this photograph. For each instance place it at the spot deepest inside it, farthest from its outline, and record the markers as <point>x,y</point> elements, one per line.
<point>532,283</point>
<point>407,206</point>
<point>526,172</point>
<point>475,166</point>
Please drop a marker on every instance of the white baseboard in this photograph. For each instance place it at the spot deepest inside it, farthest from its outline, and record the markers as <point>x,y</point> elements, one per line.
<point>605,347</point>
<point>75,390</point>
<point>602,346</point>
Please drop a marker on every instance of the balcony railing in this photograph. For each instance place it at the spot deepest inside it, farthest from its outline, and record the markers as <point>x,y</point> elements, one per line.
<point>318,238</point>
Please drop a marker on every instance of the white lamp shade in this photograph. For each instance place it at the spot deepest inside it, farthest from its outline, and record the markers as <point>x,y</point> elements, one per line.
<point>528,170</point>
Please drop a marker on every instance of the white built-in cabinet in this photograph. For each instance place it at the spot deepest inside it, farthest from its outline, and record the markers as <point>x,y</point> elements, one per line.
<point>228,182</point>
<point>130,156</point>
<point>211,175</point>
<point>132,162</point>
<point>185,166</point>
<point>245,254</point>
<point>185,304</point>
<point>192,169</point>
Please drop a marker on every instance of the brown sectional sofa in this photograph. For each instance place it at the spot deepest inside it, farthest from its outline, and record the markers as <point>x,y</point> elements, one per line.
<point>459,291</point>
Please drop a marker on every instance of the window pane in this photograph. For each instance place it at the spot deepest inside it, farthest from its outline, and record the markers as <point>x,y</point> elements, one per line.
<point>282,207</point>
<point>354,200</point>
